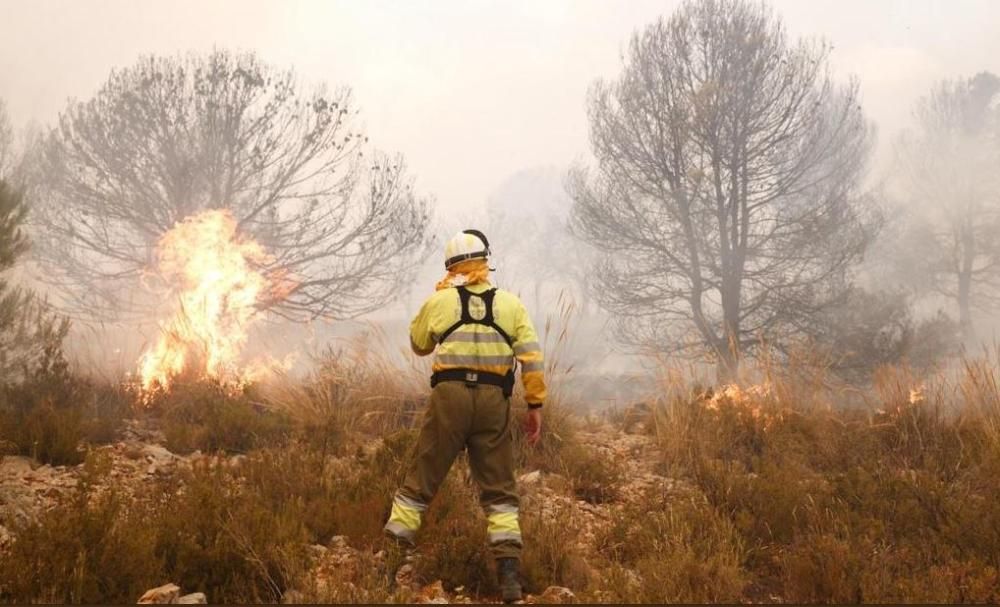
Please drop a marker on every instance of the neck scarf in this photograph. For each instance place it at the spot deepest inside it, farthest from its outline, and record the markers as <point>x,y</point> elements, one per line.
<point>469,272</point>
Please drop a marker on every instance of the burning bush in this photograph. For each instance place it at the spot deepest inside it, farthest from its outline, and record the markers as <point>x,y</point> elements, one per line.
<point>216,275</point>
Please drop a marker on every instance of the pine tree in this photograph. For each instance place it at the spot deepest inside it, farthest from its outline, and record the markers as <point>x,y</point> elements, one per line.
<point>31,335</point>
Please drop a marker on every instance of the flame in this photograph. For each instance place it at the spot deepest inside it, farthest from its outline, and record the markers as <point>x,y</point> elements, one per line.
<point>219,281</point>
<point>747,401</point>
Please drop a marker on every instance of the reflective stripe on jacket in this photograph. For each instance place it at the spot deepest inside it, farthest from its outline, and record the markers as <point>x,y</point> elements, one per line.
<point>478,347</point>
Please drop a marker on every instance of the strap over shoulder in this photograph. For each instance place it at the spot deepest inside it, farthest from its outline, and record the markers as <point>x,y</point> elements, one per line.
<point>465,297</point>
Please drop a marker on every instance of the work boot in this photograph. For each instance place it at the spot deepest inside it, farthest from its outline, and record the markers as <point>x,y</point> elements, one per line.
<point>510,583</point>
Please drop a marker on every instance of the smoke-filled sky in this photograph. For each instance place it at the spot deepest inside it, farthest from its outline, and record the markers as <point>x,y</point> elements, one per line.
<point>469,90</point>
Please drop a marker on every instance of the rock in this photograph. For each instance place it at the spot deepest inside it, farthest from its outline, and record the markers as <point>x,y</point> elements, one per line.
<point>433,594</point>
<point>16,466</point>
<point>405,575</point>
<point>318,551</point>
<point>531,477</point>
<point>161,595</point>
<point>158,454</point>
<point>195,598</point>
<point>132,450</point>
<point>142,431</point>
<point>557,595</point>
<point>339,542</point>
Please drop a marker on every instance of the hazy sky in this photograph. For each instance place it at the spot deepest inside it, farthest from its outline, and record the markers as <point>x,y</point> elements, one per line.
<point>470,91</point>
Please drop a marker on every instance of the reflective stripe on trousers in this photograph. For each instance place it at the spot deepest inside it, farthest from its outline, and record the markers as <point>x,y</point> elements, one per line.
<point>405,519</point>
<point>502,524</point>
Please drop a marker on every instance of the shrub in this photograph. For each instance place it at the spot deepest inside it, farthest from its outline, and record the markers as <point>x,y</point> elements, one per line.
<point>356,393</point>
<point>842,504</point>
<point>452,542</point>
<point>558,431</point>
<point>594,477</point>
<point>220,537</point>
<point>206,416</point>
<point>53,415</point>
<point>683,551</point>
<point>96,552</point>
<point>551,554</point>
<point>362,502</point>
<point>872,329</point>
<point>215,534</point>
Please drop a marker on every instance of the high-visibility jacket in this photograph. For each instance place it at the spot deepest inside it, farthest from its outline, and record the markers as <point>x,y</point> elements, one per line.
<point>478,347</point>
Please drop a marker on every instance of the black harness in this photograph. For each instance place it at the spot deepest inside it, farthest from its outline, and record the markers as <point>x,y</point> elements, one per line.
<point>469,376</point>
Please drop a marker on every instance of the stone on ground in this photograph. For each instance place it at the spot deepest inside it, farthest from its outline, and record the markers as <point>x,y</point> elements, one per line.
<point>161,595</point>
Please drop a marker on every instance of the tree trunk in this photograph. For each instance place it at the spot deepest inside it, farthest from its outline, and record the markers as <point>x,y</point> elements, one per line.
<point>965,282</point>
<point>729,350</point>
<point>965,305</point>
<point>728,367</point>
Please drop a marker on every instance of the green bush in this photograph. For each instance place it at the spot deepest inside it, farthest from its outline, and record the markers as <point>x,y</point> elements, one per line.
<point>52,416</point>
<point>206,416</point>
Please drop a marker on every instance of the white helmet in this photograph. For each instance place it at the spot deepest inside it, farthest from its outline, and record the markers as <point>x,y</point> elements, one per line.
<point>467,244</point>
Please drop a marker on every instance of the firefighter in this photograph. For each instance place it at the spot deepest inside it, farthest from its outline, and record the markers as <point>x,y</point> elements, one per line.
<point>478,331</point>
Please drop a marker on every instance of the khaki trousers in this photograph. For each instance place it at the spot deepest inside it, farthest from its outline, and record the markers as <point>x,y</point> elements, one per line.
<point>460,416</point>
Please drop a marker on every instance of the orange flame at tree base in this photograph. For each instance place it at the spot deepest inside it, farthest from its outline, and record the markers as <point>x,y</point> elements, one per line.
<point>220,282</point>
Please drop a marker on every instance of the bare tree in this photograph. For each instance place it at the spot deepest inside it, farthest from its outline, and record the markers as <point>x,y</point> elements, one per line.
<point>726,194</point>
<point>951,191</point>
<point>168,137</point>
<point>526,222</point>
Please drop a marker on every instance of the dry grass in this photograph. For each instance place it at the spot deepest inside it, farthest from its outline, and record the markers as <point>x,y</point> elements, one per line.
<point>361,390</point>
<point>806,490</point>
<point>895,501</point>
<point>662,551</point>
<point>100,548</point>
<point>551,553</point>
<point>54,415</point>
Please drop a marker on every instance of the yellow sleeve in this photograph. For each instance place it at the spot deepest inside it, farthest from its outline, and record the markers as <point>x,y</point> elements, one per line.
<point>529,353</point>
<point>422,338</point>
